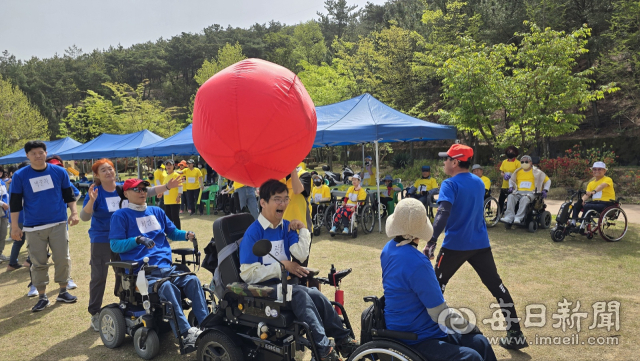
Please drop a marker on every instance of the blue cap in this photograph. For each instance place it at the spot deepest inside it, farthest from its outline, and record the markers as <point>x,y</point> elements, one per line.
<point>426,168</point>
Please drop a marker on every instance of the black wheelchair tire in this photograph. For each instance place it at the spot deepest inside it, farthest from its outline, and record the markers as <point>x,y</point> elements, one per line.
<point>328,215</point>
<point>316,231</point>
<point>557,235</point>
<point>354,234</point>
<point>545,220</point>
<point>114,323</point>
<point>494,221</point>
<point>151,346</point>
<point>216,345</point>
<point>368,352</point>
<point>533,226</point>
<point>622,213</point>
<point>368,216</point>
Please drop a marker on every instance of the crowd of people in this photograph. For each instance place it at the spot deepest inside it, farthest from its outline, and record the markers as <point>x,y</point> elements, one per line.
<point>39,203</point>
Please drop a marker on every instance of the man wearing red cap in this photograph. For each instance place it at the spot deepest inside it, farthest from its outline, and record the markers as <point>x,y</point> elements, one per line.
<point>466,238</point>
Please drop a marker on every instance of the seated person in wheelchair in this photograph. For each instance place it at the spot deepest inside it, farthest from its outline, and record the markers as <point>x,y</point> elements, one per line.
<point>388,193</point>
<point>600,190</point>
<point>355,194</point>
<point>478,171</point>
<point>523,183</point>
<point>140,231</point>
<point>308,304</point>
<point>319,194</point>
<point>424,187</point>
<point>413,299</point>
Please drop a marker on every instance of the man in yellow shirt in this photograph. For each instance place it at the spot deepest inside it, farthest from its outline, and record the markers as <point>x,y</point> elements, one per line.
<point>173,197</point>
<point>369,173</point>
<point>523,183</point>
<point>194,185</point>
<point>158,180</point>
<point>424,187</point>
<point>600,190</point>
<point>479,172</point>
<point>507,167</point>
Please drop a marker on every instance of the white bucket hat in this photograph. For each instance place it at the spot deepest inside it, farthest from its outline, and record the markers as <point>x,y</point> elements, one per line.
<point>409,220</point>
<point>599,165</point>
<point>356,176</point>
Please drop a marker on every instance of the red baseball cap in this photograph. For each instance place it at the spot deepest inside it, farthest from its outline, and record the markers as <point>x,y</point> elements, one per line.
<point>459,152</point>
<point>55,162</point>
<point>131,183</point>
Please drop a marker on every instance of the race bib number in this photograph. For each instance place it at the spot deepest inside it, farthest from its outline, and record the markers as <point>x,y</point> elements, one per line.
<point>318,197</point>
<point>277,250</point>
<point>525,185</point>
<point>39,184</point>
<point>367,175</point>
<point>353,197</point>
<point>166,193</point>
<point>191,180</point>
<point>148,224</point>
<point>113,203</point>
<point>597,195</point>
<point>180,190</point>
<point>125,203</point>
<point>423,188</point>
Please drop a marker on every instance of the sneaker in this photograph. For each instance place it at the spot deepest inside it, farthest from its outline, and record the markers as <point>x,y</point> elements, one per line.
<point>517,221</point>
<point>13,267</point>
<point>346,346</point>
<point>41,305</point>
<point>181,211</point>
<point>95,322</point>
<point>66,297</point>
<point>71,285</point>
<point>333,229</point>
<point>506,220</point>
<point>33,291</point>
<point>515,340</point>
<point>3,258</point>
<point>191,337</point>
<point>345,230</point>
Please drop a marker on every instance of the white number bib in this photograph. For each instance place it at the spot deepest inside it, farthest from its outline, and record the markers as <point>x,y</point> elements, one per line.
<point>353,197</point>
<point>113,203</point>
<point>39,184</point>
<point>148,224</point>
<point>423,188</point>
<point>597,195</point>
<point>318,197</point>
<point>166,193</point>
<point>367,175</point>
<point>277,250</point>
<point>191,180</point>
<point>525,185</point>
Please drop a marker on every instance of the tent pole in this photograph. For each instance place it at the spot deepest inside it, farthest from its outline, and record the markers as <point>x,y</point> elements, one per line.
<point>363,165</point>
<point>139,169</point>
<point>378,185</point>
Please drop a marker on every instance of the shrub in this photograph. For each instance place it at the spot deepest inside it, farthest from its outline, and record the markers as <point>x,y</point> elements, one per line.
<point>400,161</point>
<point>591,155</point>
<point>411,173</point>
<point>566,171</point>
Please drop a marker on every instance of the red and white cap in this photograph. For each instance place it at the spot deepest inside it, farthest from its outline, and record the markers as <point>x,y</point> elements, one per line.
<point>458,151</point>
<point>131,183</point>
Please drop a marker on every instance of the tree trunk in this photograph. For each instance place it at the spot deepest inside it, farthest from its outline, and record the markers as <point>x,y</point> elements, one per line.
<point>411,153</point>
<point>330,163</point>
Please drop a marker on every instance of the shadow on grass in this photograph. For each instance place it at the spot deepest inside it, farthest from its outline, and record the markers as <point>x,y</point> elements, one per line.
<point>75,346</point>
<point>24,316</point>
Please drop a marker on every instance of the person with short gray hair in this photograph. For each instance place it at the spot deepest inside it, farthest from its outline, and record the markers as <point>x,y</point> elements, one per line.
<point>524,183</point>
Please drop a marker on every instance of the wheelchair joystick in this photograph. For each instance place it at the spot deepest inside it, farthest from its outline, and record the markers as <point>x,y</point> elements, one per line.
<point>146,261</point>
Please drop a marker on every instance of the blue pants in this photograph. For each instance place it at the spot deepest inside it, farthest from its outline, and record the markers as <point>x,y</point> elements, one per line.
<point>248,198</point>
<point>172,291</point>
<point>15,249</point>
<point>311,306</point>
<point>456,347</point>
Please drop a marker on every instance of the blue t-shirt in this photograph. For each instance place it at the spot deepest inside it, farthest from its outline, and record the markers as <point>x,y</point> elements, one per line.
<point>103,208</point>
<point>466,229</point>
<point>410,287</point>
<point>281,240</point>
<point>152,223</point>
<point>41,191</point>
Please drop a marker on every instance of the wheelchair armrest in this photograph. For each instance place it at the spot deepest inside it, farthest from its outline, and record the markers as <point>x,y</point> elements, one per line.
<point>130,265</point>
<point>394,334</point>
<point>184,251</point>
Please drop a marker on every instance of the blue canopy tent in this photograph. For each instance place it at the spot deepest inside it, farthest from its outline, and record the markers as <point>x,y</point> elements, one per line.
<point>365,119</point>
<point>180,143</point>
<point>53,147</point>
<point>112,146</point>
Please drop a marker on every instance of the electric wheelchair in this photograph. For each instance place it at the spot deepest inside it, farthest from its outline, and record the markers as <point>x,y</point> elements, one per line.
<point>140,316</point>
<point>363,214</point>
<point>536,215</point>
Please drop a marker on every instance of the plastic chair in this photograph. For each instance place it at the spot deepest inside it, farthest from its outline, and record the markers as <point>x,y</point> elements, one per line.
<point>213,191</point>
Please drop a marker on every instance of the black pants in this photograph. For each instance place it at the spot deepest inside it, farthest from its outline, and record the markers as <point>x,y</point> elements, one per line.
<point>235,203</point>
<point>192,201</point>
<point>100,254</point>
<point>173,213</point>
<point>504,193</point>
<point>597,206</point>
<point>183,200</point>
<point>448,263</point>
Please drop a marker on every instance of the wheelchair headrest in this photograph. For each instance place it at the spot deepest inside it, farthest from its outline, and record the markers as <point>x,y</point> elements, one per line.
<point>229,229</point>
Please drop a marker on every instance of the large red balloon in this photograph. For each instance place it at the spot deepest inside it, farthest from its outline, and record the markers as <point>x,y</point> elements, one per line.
<point>253,121</point>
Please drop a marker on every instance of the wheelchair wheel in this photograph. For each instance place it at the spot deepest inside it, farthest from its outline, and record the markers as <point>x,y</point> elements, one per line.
<point>368,219</point>
<point>215,346</point>
<point>544,220</point>
<point>613,224</point>
<point>384,351</point>
<point>491,212</point>
<point>533,226</point>
<point>151,346</point>
<point>328,216</point>
<point>557,235</point>
<point>112,327</point>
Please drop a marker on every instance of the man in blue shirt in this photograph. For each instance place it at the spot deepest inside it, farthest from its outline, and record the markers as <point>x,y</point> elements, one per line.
<point>139,231</point>
<point>308,304</point>
<point>413,300</point>
<point>46,191</point>
<point>466,237</point>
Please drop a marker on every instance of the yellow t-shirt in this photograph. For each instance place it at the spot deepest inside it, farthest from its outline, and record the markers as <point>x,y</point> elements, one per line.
<point>172,196</point>
<point>237,185</point>
<point>508,167</point>
<point>158,177</point>
<point>317,193</point>
<point>351,193</point>
<point>203,170</point>
<point>487,182</point>
<point>368,179</point>
<point>425,185</point>
<point>526,181</point>
<point>191,177</point>
<point>297,208</point>
<point>608,194</point>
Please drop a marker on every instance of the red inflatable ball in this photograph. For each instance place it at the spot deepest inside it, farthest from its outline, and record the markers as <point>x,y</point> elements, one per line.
<point>253,121</point>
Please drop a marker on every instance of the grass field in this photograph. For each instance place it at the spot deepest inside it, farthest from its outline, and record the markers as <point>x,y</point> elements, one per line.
<point>536,271</point>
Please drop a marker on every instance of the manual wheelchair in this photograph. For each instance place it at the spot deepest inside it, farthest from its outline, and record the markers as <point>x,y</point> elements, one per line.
<point>536,215</point>
<point>363,214</point>
<point>492,211</point>
<point>431,204</point>
<point>611,223</point>
<point>253,322</point>
<point>144,317</point>
<point>318,219</point>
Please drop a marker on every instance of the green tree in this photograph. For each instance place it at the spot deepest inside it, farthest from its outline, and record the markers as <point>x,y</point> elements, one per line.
<point>228,55</point>
<point>20,121</point>
<point>309,43</point>
<point>339,16</point>
<point>325,83</point>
